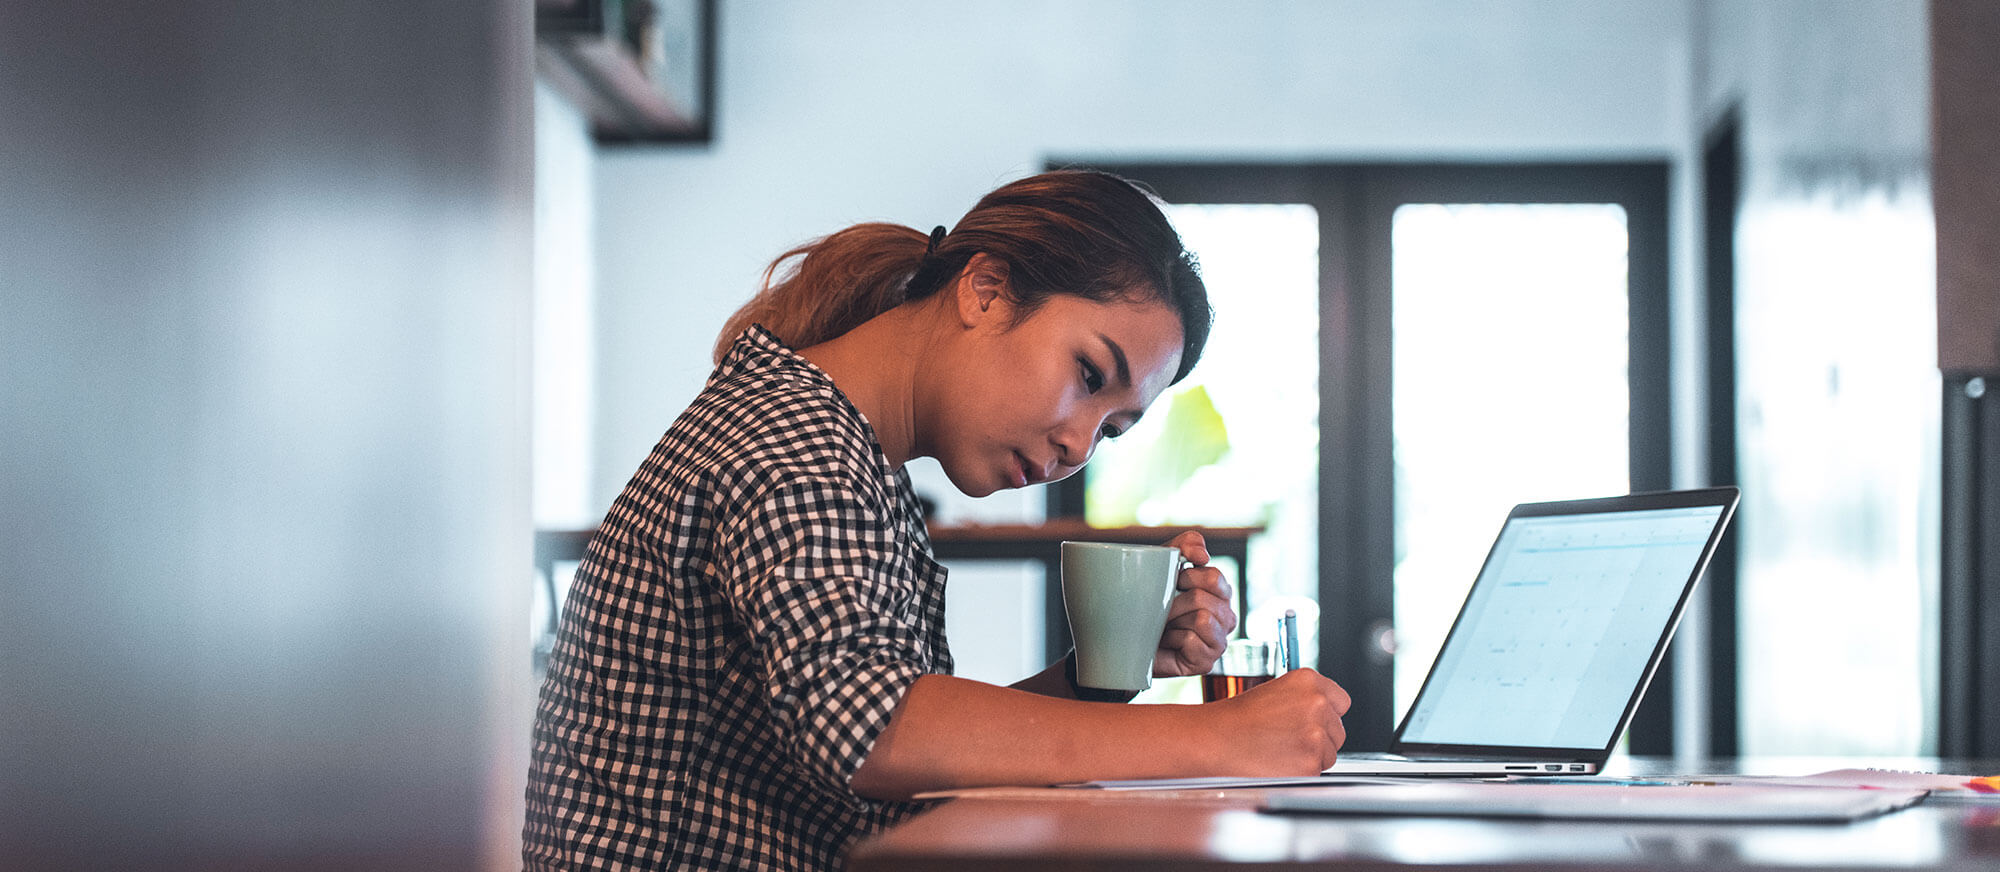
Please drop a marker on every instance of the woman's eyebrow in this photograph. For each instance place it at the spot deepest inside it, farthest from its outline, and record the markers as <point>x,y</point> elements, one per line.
<point>1118,357</point>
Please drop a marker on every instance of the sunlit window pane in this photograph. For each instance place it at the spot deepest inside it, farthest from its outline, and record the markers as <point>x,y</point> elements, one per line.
<point>1509,355</point>
<point>1237,442</point>
<point>1838,432</point>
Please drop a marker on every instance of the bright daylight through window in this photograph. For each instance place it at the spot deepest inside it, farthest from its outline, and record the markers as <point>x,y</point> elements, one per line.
<point>1237,442</point>
<point>1838,425</point>
<point>1509,386</point>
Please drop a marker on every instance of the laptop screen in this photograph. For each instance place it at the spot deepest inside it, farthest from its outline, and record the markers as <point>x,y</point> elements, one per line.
<point>1557,633</point>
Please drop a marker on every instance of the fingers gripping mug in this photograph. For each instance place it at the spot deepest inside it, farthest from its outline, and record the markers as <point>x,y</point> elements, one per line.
<point>1116,597</point>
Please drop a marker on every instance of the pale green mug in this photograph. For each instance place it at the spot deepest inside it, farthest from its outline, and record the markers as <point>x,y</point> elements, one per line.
<point>1116,596</point>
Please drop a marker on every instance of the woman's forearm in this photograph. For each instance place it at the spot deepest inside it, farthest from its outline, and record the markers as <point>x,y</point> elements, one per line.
<point>955,733</point>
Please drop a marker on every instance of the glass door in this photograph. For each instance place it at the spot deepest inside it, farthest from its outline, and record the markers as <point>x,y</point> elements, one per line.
<point>1482,335</point>
<point>1500,337</point>
<point>1509,351</point>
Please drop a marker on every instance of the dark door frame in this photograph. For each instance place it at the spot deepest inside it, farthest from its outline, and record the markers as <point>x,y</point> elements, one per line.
<point>1721,198</point>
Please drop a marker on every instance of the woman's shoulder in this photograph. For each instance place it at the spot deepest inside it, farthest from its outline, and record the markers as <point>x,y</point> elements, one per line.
<point>776,410</point>
<point>767,408</point>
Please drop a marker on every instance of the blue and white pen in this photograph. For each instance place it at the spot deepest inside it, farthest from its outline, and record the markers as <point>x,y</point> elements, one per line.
<point>1291,628</point>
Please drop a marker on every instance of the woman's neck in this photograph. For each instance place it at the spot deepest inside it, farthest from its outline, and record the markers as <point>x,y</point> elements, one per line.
<point>875,366</point>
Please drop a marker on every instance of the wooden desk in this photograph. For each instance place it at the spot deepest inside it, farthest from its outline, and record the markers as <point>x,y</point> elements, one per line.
<point>1222,830</point>
<point>1043,543</point>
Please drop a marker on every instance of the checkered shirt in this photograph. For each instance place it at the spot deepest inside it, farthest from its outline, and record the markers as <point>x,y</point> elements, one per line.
<point>743,623</point>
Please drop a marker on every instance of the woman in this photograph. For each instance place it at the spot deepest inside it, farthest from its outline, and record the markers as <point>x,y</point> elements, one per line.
<point>751,669</point>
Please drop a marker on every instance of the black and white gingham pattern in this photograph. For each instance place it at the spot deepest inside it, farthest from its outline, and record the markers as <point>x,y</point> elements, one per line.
<point>744,622</point>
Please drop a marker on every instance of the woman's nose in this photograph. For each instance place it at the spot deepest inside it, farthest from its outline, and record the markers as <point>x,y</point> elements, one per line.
<point>1077,442</point>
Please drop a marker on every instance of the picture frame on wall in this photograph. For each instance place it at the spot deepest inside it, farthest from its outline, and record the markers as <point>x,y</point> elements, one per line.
<point>642,71</point>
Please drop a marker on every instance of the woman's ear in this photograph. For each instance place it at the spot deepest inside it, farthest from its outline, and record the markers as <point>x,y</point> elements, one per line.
<point>981,289</point>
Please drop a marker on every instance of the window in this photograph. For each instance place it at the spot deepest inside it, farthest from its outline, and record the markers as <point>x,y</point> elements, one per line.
<point>1838,434</point>
<point>1509,338</point>
<point>1482,335</point>
<point>1236,443</point>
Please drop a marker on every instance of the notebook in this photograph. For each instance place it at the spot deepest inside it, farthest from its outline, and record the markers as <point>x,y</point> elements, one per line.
<point>1558,637</point>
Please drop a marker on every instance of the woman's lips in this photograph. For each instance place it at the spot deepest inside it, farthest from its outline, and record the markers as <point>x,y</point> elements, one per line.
<point>1019,472</point>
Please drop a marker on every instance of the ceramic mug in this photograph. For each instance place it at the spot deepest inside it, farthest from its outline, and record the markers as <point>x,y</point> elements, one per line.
<point>1117,596</point>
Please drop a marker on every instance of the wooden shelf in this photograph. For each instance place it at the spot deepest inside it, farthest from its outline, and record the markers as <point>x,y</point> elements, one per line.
<point>964,537</point>
<point>1041,543</point>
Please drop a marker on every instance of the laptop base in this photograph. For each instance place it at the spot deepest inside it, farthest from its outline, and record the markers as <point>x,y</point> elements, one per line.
<point>1374,763</point>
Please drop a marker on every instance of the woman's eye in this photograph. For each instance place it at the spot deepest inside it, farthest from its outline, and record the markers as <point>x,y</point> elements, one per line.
<point>1093,379</point>
<point>1110,431</point>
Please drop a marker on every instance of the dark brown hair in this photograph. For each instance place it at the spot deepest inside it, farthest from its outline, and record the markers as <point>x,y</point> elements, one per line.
<point>1079,232</point>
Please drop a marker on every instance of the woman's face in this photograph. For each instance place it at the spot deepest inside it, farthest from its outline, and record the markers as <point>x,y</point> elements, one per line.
<point>1013,405</point>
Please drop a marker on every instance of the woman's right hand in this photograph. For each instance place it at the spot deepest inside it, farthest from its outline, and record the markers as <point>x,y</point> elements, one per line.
<point>1287,726</point>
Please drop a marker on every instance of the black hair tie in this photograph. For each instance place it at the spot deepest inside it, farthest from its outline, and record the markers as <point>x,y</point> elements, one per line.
<point>926,277</point>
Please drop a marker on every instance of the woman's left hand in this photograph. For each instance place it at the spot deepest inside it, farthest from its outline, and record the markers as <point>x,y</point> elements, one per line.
<point>1200,618</point>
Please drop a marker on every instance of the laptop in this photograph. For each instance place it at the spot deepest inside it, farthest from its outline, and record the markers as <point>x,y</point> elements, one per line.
<point>1558,637</point>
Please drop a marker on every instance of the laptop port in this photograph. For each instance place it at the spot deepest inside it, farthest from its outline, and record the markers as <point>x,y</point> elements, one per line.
<point>1577,767</point>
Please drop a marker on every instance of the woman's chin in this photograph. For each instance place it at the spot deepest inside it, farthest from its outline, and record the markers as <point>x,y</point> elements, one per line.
<point>973,486</point>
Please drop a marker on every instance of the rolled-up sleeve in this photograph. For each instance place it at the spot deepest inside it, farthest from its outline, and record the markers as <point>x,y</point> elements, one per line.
<point>830,617</point>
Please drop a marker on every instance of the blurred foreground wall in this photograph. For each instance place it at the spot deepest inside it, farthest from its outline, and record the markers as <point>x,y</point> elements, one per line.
<point>264,290</point>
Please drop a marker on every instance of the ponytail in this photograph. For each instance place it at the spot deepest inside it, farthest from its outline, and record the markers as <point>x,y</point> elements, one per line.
<point>831,285</point>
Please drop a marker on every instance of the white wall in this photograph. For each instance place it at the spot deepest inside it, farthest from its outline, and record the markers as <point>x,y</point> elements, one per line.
<point>565,314</point>
<point>903,110</point>
<point>264,292</point>
<point>1833,92</point>
<point>830,114</point>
